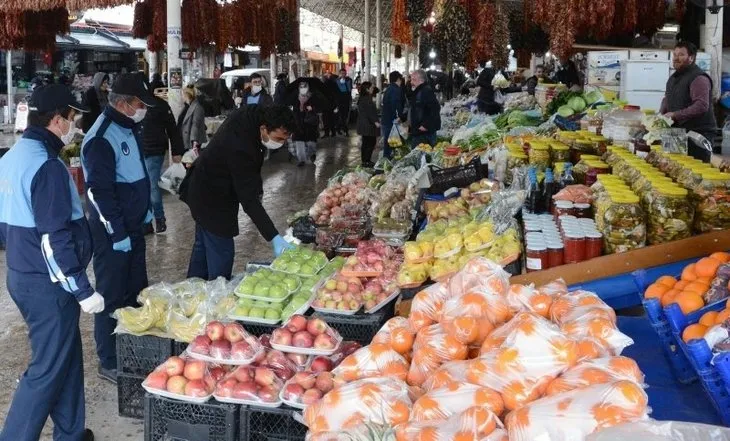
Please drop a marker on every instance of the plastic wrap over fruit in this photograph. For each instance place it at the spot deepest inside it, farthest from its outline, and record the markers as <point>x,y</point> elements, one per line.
<point>534,353</point>
<point>427,306</point>
<point>397,334</point>
<point>160,290</point>
<point>142,320</point>
<point>661,431</point>
<point>374,360</point>
<point>384,401</point>
<point>719,286</point>
<point>474,423</point>
<point>250,384</point>
<point>183,377</point>
<point>574,415</point>
<point>453,372</point>
<point>597,371</point>
<point>526,298</point>
<point>307,387</point>
<point>554,288</point>
<point>225,342</point>
<point>183,328</point>
<point>432,348</point>
<point>565,308</point>
<point>442,403</point>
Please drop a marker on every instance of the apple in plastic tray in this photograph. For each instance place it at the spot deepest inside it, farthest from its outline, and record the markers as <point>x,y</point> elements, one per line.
<point>225,342</point>
<point>307,333</point>
<point>308,387</point>
<point>251,383</point>
<point>377,290</point>
<point>184,376</point>
<point>340,293</point>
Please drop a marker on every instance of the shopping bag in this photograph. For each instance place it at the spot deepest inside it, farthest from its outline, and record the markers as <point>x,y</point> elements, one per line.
<point>172,178</point>
<point>402,130</point>
<point>395,139</point>
<point>499,97</point>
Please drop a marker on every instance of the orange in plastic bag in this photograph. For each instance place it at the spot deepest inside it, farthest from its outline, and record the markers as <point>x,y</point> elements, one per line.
<point>451,372</point>
<point>590,348</point>
<point>528,299</point>
<point>427,306</point>
<point>566,304</point>
<point>595,322</point>
<point>574,415</point>
<point>432,348</point>
<point>598,371</point>
<point>474,423</point>
<point>555,288</point>
<point>497,337</point>
<point>374,360</point>
<point>380,400</point>
<point>440,404</point>
<point>396,333</point>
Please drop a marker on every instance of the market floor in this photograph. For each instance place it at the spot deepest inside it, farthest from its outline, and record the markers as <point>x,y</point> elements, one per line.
<point>287,189</point>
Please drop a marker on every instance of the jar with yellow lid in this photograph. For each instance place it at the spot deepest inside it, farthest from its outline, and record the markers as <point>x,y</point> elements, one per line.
<point>690,176</point>
<point>595,168</point>
<point>624,226</point>
<point>514,160</point>
<point>580,147</point>
<point>670,214</point>
<point>559,152</point>
<point>599,143</point>
<point>539,156</point>
<point>602,199</point>
<point>581,168</point>
<point>654,155</point>
<point>712,202</point>
<point>566,137</point>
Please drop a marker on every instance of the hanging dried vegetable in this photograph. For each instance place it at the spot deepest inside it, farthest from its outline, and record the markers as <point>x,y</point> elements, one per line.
<point>651,16</point>
<point>561,18</point>
<point>500,38</point>
<point>79,5</point>
<point>626,16</point>
<point>142,24</point>
<point>416,11</point>
<point>17,6</point>
<point>33,30</point>
<point>157,39</point>
<point>400,26</point>
<point>603,25</point>
<point>452,35</point>
<point>199,19</point>
<point>680,7</point>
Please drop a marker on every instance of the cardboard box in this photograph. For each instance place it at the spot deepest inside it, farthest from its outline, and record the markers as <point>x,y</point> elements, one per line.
<point>703,61</point>
<point>662,55</point>
<point>604,67</point>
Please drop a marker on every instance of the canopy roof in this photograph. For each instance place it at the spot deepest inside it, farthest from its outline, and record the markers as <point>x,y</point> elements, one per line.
<point>350,13</point>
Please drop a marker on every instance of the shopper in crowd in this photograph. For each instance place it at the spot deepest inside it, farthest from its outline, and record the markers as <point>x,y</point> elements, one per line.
<point>95,98</point>
<point>485,98</point>
<point>344,102</point>
<point>160,133</point>
<point>568,73</point>
<point>425,118</point>
<point>118,191</point>
<point>156,82</point>
<point>538,77</point>
<point>188,94</point>
<point>393,109</point>
<point>194,131</point>
<point>328,115</point>
<point>256,94</point>
<point>280,89</point>
<point>367,123</point>
<point>688,98</point>
<point>303,145</point>
<point>228,173</point>
<point>48,246</point>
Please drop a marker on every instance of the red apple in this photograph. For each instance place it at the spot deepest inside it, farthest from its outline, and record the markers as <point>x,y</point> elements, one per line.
<point>174,366</point>
<point>200,345</point>
<point>234,332</point>
<point>311,396</point>
<point>196,388</point>
<point>296,323</point>
<point>216,373</point>
<point>281,336</point>
<point>353,288</point>
<point>264,376</point>
<point>325,382</point>
<point>241,350</point>
<point>276,357</point>
<point>177,384</point>
<point>268,394</point>
<point>265,340</point>
<point>302,339</point>
<point>321,364</point>
<point>304,379</point>
<point>195,370</point>
<point>243,374</point>
<point>299,360</point>
<point>157,380</point>
<point>316,326</point>
<point>324,341</point>
<point>220,349</point>
<point>245,391</point>
<point>225,387</point>
<point>214,330</point>
<point>293,392</point>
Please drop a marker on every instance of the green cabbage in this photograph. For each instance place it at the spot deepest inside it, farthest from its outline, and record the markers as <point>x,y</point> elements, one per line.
<point>565,111</point>
<point>593,96</point>
<point>577,103</point>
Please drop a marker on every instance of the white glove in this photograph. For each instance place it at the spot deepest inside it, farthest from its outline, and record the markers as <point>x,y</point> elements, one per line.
<point>93,304</point>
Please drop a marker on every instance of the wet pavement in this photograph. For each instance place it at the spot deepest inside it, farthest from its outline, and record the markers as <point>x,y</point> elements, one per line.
<point>287,189</point>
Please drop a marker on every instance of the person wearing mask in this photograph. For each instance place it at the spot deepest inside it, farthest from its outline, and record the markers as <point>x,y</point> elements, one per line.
<point>280,89</point>
<point>532,82</point>
<point>688,98</point>
<point>344,101</point>
<point>367,123</point>
<point>393,109</point>
<point>48,246</point>
<point>194,131</point>
<point>328,114</point>
<point>159,130</point>
<point>118,191</point>
<point>425,118</point>
<point>256,94</point>
<point>95,98</point>
<point>156,82</point>
<point>228,173</point>
<point>306,117</point>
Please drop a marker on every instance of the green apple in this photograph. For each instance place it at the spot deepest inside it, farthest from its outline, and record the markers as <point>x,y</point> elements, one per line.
<point>256,312</point>
<point>241,311</point>
<point>245,302</point>
<point>273,314</point>
<point>280,264</point>
<point>291,283</point>
<point>308,269</point>
<point>261,290</point>
<point>278,292</point>
<point>261,304</point>
<point>293,267</point>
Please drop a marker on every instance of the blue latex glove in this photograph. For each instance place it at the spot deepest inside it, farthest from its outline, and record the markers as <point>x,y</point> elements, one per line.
<point>149,218</point>
<point>280,245</point>
<point>124,245</point>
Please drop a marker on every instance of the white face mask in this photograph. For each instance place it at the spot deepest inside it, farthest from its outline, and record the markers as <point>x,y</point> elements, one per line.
<point>271,144</point>
<point>255,89</point>
<point>303,91</point>
<point>342,80</point>
<point>67,137</point>
<point>139,114</point>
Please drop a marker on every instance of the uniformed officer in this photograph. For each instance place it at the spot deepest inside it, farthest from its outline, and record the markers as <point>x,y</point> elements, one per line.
<point>48,248</point>
<point>118,192</point>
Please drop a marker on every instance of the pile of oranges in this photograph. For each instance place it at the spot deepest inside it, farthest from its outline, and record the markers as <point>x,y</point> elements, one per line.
<point>707,321</point>
<point>695,281</point>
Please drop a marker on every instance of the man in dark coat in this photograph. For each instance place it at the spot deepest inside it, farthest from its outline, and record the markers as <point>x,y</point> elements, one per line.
<point>280,90</point>
<point>256,94</point>
<point>393,109</point>
<point>367,122</point>
<point>328,114</point>
<point>344,101</point>
<point>228,173</point>
<point>95,98</point>
<point>485,98</point>
<point>425,118</point>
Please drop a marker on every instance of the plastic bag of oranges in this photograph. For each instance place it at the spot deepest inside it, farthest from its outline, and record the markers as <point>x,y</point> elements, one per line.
<point>574,415</point>
<point>381,400</point>
<point>396,333</point>
<point>526,298</point>
<point>598,371</point>
<point>442,403</point>
<point>374,360</point>
<point>564,306</point>
<point>451,372</point>
<point>595,322</point>
<point>474,423</point>
<point>432,348</point>
<point>427,306</point>
<point>555,288</point>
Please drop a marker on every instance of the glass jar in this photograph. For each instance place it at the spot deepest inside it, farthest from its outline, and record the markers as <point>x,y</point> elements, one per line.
<point>599,144</point>
<point>536,257</point>
<point>555,254</point>
<point>562,208</point>
<point>595,168</point>
<point>670,215</point>
<point>582,147</point>
<point>582,210</point>
<point>539,156</point>
<point>624,224</point>
<point>581,168</point>
<point>594,244</point>
<point>559,152</point>
<point>711,198</point>
<point>514,160</point>
<point>594,121</point>
<point>575,247</point>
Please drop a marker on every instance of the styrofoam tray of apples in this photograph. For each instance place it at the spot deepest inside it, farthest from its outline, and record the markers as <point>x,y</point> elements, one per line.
<point>311,336</point>
<point>339,295</point>
<point>306,388</point>
<point>268,285</point>
<point>254,386</point>
<point>183,378</point>
<point>301,261</point>
<point>225,343</point>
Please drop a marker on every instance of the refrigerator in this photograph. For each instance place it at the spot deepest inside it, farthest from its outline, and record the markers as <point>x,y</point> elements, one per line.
<point>643,82</point>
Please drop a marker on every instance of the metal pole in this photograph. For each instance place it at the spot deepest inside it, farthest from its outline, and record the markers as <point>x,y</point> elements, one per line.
<point>9,79</point>
<point>378,47</point>
<point>368,42</point>
<point>407,59</point>
<point>151,63</point>
<point>342,39</point>
<point>174,63</point>
<point>417,60</point>
<point>272,72</point>
<point>712,44</point>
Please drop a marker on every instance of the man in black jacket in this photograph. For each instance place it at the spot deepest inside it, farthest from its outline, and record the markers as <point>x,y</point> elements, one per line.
<point>256,94</point>
<point>425,118</point>
<point>485,98</point>
<point>228,173</point>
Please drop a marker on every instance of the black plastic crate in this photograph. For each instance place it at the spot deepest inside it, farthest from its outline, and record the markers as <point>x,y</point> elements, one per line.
<point>140,355</point>
<point>172,420</point>
<point>178,347</point>
<point>130,396</point>
<point>259,329</point>
<point>262,424</point>
<point>460,176</point>
<point>360,327</point>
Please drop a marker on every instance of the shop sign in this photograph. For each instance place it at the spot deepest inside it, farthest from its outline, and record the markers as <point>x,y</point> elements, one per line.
<point>174,31</point>
<point>187,54</point>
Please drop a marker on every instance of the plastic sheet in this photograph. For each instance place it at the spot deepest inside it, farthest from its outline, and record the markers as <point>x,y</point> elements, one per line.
<point>662,431</point>
<point>597,371</point>
<point>182,378</point>
<point>396,333</point>
<point>432,348</point>
<point>250,385</point>
<point>442,403</point>
<point>374,360</point>
<point>474,423</point>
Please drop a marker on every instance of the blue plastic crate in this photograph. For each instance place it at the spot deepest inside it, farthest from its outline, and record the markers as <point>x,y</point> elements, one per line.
<point>678,361</point>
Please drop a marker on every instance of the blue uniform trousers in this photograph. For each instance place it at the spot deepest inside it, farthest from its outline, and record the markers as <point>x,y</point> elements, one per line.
<point>120,276</point>
<point>385,131</point>
<point>212,255</point>
<point>53,384</point>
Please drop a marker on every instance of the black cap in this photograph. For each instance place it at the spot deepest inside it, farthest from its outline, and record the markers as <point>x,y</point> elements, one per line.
<point>132,84</point>
<point>52,97</point>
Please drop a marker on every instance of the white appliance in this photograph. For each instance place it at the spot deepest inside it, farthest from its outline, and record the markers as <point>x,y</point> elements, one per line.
<point>643,82</point>
<point>604,67</point>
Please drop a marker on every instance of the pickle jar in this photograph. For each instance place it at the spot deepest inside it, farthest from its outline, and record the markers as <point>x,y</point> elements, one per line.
<point>581,147</point>
<point>559,152</point>
<point>670,215</point>
<point>624,224</point>
<point>539,156</point>
<point>514,160</point>
<point>600,143</point>
<point>711,198</point>
<point>595,168</point>
<point>581,168</point>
